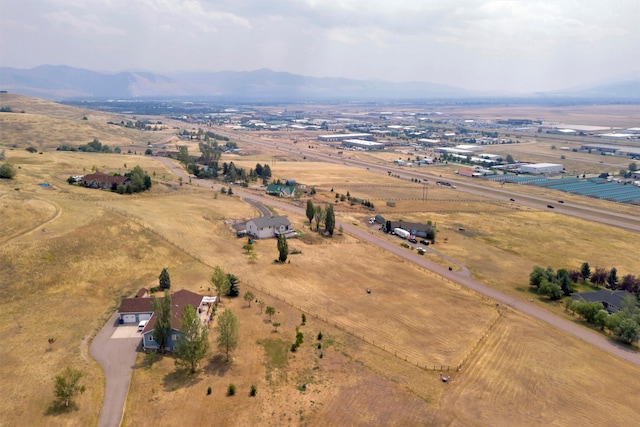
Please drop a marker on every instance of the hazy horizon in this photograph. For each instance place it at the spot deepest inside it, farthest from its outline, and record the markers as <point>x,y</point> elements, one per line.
<point>515,46</point>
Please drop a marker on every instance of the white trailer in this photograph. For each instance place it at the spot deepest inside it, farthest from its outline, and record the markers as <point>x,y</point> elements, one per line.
<point>401,233</point>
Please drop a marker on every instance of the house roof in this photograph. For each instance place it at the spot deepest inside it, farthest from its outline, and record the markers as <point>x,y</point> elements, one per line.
<point>135,305</point>
<point>273,221</point>
<point>179,301</point>
<point>608,298</point>
<point>103,177</point>
<point>279,188</point>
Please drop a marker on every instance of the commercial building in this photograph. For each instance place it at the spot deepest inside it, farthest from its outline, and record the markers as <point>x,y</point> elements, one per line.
<point>361,143</point>
<point>542,168</point>
<point>342,136</point>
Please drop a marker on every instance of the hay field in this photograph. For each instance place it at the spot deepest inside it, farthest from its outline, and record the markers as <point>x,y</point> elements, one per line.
<point>527,374</point>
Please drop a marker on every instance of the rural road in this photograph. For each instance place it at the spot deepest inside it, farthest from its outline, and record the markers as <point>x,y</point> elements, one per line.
<point>527,308</point>
<point>117,356</point>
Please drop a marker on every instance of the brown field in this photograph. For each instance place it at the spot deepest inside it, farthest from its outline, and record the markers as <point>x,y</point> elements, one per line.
<point>65,281</point>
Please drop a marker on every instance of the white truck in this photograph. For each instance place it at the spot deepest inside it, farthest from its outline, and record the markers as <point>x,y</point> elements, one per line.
<point>401,233</point>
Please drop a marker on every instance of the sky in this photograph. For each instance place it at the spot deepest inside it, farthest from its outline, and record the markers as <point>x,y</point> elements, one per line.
<point>518,46</point>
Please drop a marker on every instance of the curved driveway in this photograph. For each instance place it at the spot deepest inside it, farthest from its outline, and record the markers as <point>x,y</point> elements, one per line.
<point>117,356</point>
<point>529,309</point>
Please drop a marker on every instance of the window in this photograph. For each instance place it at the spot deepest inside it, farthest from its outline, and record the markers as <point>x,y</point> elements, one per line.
<point>150,337</point>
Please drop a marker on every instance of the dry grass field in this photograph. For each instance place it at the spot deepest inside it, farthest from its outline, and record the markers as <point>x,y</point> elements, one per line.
<point>68,254</point>
<point>526,374</point>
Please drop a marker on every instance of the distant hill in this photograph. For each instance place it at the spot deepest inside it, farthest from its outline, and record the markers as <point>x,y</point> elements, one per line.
<point>63,82</point>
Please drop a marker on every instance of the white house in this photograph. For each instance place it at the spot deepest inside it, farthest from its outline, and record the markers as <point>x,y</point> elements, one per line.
<point>264,227</point>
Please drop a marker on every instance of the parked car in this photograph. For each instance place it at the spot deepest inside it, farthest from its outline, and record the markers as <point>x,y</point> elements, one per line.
<point>412,240</point>
<point>142,324</point>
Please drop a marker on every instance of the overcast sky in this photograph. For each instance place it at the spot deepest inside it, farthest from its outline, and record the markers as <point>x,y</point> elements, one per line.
<point>523,45</point>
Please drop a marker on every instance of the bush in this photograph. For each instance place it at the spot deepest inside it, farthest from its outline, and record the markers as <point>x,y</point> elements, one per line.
<point>319,336</point>
<point>253,391</point>
<point>7,171</point>
<point>208,390</point>
<point>294,347</point>
<point>231,390</point>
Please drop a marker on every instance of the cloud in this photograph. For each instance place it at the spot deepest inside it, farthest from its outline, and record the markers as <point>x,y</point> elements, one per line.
<point>486,44</point>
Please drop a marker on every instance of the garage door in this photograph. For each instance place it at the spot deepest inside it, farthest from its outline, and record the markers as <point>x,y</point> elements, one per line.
<point>129,318</point>
<point>144,316</point>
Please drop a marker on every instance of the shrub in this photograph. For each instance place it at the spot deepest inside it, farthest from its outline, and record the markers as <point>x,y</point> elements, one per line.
<point>319,336</point>
<point>231,390</point>
<point>208,390</point>
<point>294,347</point>
<point>7,171</point>
<point>253,391</point>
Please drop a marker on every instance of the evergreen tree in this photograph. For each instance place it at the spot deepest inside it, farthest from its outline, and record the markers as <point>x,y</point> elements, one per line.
<point>330,220</point>
<point>612,278</point>
<point>234,290</point>
<point>283,248</point>
<point>311,211</point>
<point>164,280</point>
<point>585,271</point>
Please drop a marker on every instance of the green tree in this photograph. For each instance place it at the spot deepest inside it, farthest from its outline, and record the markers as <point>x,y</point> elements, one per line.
<point>193,345</point>
<point>319,217</point>
<point>162,326</point>
<point>270,311</point>
<point>164,280</point>
<point>283,248</point>
<point>276,325</point>
<point>261,305</point>
<point>536,276</point>
<point>330,220</point>
<point>612,278</point>
<point>7,171</point>
<point>633,167</point>
<point>227,330</point>
<point>585,271</point>
<point>311,211</point>
<point>564,281</point>
<point>587,310</point>
<point>66,385</point>
<point>248,247</point>
<point>248,297</point>
<point>220,282</point>
<point>234,290</point>
<point>509,159</point>
<point>552,290</point>
<point>600,318</point>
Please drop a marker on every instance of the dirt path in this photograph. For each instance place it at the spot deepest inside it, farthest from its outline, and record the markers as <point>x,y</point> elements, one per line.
<point>56,215</point>
<point>463,279</point>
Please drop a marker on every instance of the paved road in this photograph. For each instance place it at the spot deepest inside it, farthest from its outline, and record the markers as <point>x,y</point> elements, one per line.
<point>527,308</point>
<point>117,356</point>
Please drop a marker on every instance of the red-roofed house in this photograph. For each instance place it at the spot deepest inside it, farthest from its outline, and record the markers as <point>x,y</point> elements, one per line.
<point>134,310</point>
<point>104,181</point>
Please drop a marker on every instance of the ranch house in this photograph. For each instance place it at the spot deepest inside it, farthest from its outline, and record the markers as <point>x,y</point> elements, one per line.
<point>134,310</point>
<point>104,181</point>
<point>267,227</point>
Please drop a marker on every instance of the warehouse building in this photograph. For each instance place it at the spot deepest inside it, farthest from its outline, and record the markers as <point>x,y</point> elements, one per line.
<point>342,136</point>
<point>361,143</point>
<point>542,168</point>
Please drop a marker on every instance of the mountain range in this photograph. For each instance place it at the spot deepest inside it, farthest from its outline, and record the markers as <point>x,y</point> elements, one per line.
<point>59,82</point>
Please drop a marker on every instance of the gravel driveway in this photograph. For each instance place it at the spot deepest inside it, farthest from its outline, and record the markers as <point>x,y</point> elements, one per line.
<point>115,349</point>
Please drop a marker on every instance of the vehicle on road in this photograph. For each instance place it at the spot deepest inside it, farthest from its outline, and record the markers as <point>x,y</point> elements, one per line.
<point>560,201</point>
<point>512,200</point>
<point>412,240</point>
<point>424,242</point>
<point>550,206</point>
